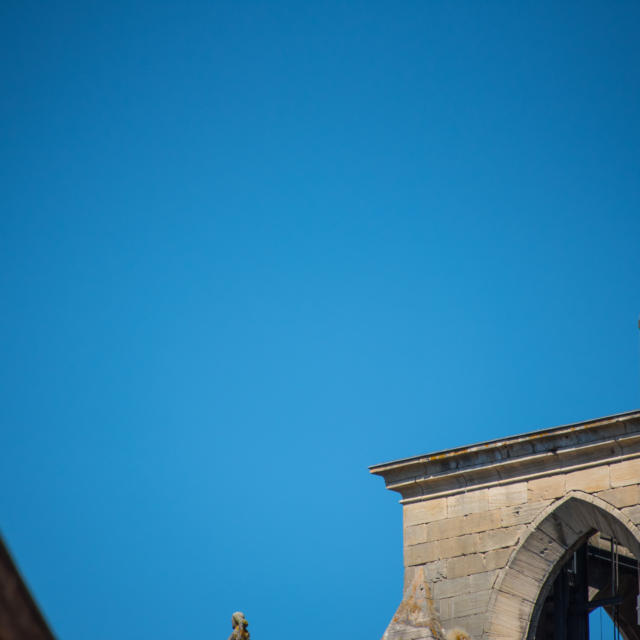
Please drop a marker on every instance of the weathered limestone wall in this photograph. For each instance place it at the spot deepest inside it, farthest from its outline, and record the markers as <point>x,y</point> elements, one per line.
<point>485,526</point>
<point>464,540</point>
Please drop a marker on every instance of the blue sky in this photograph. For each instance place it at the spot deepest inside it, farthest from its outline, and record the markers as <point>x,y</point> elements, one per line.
<point>249,249</point>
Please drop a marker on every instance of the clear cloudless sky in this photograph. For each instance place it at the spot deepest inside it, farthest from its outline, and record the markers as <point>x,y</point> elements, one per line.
<point>248,249</point>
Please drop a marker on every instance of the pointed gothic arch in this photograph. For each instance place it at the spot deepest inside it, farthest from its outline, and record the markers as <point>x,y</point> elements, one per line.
<point>523,584</point>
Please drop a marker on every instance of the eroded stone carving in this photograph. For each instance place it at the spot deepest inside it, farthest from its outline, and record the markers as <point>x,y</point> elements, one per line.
<point>458,634</point>
<point>416,617</point>
<point>239,625</point>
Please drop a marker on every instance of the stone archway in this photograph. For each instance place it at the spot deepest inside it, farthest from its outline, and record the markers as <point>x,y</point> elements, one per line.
<point>488,527</point>
<point>523,584</point>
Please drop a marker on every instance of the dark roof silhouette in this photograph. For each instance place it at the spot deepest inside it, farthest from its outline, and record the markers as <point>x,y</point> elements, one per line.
<point>20,618</point>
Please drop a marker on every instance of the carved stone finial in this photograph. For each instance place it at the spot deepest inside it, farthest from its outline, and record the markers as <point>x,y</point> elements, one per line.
<point>239,625</point>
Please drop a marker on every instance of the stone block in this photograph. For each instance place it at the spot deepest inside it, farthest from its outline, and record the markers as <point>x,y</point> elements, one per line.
<point>476,522</point>
<point>496,559</point>
<point>497,539</point>
<point>622,496</point>
<point>537,556</point>
<point>472,625</point>
<point>462,545</point>
<point>471,604</point>
<point>479,542</point>
<point>521,586</point>
<point>477,563</point>
<point>633,513</point>
<point>465,565</point>
<point>546,488</point>
<point>522,513</point>
<point>588,480</point>
<point>465,503</point>
<point>461,525</point>
<point>507,495</point>
<point>464,584</point>
<point>626,472</point>
<point>435,571</point>
<point>441,529</point>
<point>421,553</point>
<point>510,607</point>
<point>560,529</point>
<point>445,608</point>
<point>415,534</point>
<point>509,618</point>
<point>423,512</point>
<point>452,587</point>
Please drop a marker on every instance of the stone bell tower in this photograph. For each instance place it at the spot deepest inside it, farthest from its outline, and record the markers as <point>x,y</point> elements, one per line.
<point>520,538</point>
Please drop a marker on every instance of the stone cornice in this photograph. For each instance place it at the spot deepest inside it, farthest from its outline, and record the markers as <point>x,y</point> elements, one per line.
<point>514,459</point>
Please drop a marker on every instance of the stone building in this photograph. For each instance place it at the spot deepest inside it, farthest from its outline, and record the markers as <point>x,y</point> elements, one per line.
<point>520,538</point>
<point>20,618</point>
